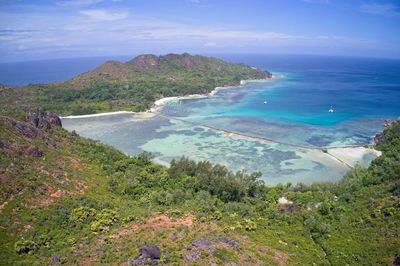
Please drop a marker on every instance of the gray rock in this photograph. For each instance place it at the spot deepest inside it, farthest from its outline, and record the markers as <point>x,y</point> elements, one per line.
<point>149,255</point>
<point>396,260</point>
<point>55,259</point>
<point>54,119</point>
<point>33,151</point>
<point>202,243</point>
<point>43,121</point>
<point>230,242</point>
<point>26,129</point>
<point>152,252</point>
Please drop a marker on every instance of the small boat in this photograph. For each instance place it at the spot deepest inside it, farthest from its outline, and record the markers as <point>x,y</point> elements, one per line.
<point>265,102</point>
<point>331,110</point>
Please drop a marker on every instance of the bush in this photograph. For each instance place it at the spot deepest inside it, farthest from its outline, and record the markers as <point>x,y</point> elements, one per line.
<point>81,214</point>
<point>104,220</point>
<point>25,246</point>
<point>249,225</point>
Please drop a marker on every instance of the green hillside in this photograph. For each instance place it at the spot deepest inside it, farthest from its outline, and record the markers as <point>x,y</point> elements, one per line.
<point>74,201</point>
<point>131,86</point>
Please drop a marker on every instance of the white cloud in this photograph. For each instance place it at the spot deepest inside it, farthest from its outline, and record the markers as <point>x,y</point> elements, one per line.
<point>92,31</point>
<point>99,14</point>
<point>78,3</point>
<point>210,44</point>
<point>381,9</point>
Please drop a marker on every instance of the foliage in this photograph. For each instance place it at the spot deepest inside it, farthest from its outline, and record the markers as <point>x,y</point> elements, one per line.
<point>24,246</point>
<point>355,221</point>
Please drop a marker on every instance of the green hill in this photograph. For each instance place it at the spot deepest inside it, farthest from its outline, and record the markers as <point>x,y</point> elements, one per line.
<point>131,86</point>
<point>69,200</point>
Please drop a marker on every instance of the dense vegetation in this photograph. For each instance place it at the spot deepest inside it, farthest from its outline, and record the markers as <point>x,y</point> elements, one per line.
<point>132,86</point>
<point>78,201</point>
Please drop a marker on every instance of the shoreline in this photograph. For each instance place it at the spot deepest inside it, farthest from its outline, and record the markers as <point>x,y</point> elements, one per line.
<point>349,156</point>
<point>158,104</point>
<point>99,114</point>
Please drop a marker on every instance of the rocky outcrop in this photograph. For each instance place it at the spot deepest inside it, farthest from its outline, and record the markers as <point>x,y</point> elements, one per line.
<point>380,137</point>
<point>37,126</point>
<point>54,119</point>
<point>33,151</point>
<point>43,121</point>
<point>145,62</point>
<point>28,130</point>
<point>148,255</point>
<point>230,242</point>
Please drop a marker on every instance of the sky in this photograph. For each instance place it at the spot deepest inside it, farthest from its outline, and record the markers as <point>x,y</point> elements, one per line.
<point>44,29</point>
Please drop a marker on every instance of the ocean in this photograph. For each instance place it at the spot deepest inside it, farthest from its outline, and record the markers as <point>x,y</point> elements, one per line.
<point>53,70</point>
<point>235,126</point>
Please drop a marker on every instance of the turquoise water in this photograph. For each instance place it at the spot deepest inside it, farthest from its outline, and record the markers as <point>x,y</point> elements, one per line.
<point>363,92</point>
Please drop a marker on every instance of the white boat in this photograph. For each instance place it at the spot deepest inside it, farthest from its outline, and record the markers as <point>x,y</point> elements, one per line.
<point>331,110</point>
<point>265,102</point>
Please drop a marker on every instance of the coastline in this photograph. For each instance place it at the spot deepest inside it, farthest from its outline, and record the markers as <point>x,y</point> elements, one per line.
<point>353,156</point>
<point>349,156</point>
<point>157,105</point>
<point>99,114</point>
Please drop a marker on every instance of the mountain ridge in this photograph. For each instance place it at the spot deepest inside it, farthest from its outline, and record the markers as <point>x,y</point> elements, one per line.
<point>165,65</point>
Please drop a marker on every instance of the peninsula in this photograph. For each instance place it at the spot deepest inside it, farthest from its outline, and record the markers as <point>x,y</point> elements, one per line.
<point>131,86</point>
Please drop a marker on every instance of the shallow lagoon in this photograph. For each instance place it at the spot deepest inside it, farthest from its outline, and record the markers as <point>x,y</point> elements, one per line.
<point>296,112</point>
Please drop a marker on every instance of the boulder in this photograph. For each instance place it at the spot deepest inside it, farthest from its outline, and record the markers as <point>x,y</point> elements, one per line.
<point>149,255</point>
<point>379,138</point>
<point>33,151</point>
<point>202,243</point>
<point>396,260</point>
<point>152,252</point>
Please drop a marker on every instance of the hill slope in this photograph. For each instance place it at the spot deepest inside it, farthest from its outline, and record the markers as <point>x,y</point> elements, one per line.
<point>133,85</point>
<point>66,199</point>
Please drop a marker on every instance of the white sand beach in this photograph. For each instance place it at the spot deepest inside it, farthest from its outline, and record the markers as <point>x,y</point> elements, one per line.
<point>354,155</point>
<point>161,102</point>
<point>99,114</point>
<point>141,115</point>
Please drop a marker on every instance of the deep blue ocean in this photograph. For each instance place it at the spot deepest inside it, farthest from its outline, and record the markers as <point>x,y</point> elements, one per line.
<point>44,71</point>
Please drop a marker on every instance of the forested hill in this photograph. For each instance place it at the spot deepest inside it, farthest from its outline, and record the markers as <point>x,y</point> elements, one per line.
<point>171,67</point>
<point>69,200</point>
<point>131,86</point>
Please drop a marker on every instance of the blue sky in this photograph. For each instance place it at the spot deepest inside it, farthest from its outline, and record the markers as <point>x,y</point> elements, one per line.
<point>45,29</point>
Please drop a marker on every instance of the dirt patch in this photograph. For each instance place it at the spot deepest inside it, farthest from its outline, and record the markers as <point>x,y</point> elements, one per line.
<point>280,257</point>
<point>6,202</point>
<point>53,194</point>
<point>156,222</point>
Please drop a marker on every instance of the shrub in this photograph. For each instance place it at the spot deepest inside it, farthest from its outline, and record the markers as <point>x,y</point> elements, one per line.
<point>104,220</point>
<point>25,246</point>
<point>249,225</point>
<point>81,214</point>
